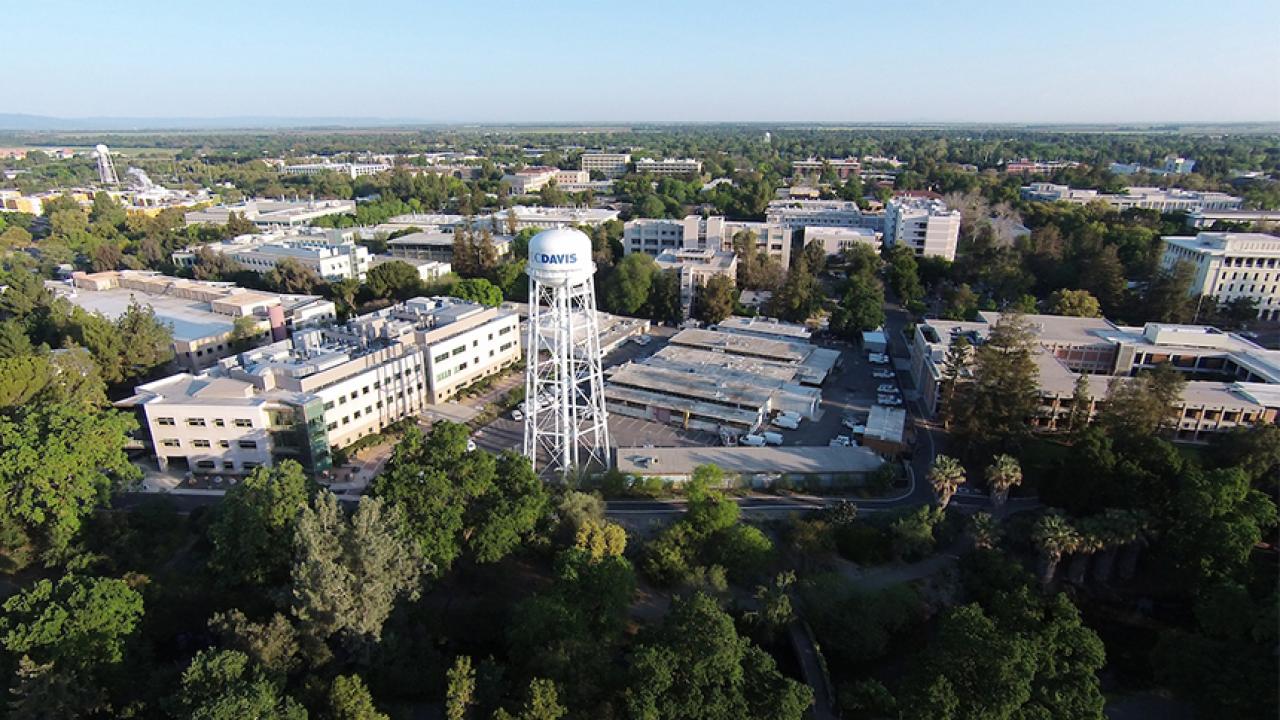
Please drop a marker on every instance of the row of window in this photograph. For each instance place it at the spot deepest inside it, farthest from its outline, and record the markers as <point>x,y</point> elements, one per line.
<point>201,422</point>
<point>202,443</point>
<point>377,385</point>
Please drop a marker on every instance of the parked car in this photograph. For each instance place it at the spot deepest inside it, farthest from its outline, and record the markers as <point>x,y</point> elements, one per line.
<point>884,374</point>
<point>888,389</point>
<point>772,438</point>
<point>752,440</point>
<point>879,359</point>
<point>787,422</point>
<point>889,400</point>
<point>641,340</point>
<point>791,414</point>
<point>517,415</point>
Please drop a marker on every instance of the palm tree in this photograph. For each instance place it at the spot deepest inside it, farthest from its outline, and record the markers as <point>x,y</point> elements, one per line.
<point>984,531</point>
<point>946,475</point>
<point>1055,537</point>
<point>1092,539</point>
<point>1003,474</point>
<point>1116,529</point>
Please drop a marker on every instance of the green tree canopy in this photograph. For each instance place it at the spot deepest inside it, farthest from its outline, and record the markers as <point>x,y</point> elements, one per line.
<point>252,533</point>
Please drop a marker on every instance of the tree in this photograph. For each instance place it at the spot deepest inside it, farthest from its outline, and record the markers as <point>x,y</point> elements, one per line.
<point>1217,519</point>
<point>998,404</point>
<point>210,265</point>
<point>775,610</point>
<point>432,480</point>
<point>861,309</point>
<point>904,275</point>
<point>59,461</point>
<point>697,666</point>
<point>14,342</point>
<point>224,685</point>
<point>460,691</point>
<point>1003,474</point>
<point>664,297</point>
<point>243,331</point>
<point>348,574</point>
<point>984,530</point>
<point>508,511</point>
<point>1074,303</point>
<point>252,534</point>
<point>238,224</point>
<point>395,279</point>
<point>946,476</point>
<point>291,276</point>
<point>1055,537</point>
<point>1081,402</point>
<point>798,297</point>
<point>600,539</point>
<point>714,301</point>
<point>1145,405</point>
<point>78,623</point>
<point>628,286</point>
<point>349,699</point>
<point>955,369</point>
<point>478,290</point>
<point>272,645</point>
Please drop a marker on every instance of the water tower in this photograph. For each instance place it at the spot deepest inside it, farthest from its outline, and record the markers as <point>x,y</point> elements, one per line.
<point>106,168</point>
<point>565,426</point>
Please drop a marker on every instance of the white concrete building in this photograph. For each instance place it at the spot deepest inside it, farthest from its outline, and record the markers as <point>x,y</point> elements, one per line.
<point>351,170</point>
<point>331,254</point>
<point>1146,198</point>
<point>695,267</point>
<point>835,240</point>
<point>926,226</point>
<point>324,389</point>
<point>796,214</point>
<point>609,164</point>
<point>1230,266</point>
<point>436,246</point>
<point>669,166</point>
<point>545,218</point>
<point>428,270</point>
<point>843,167</point>
<point>532,179</point>
<point>201,315</point>
<point>654,236</point>
<point>272,213</point>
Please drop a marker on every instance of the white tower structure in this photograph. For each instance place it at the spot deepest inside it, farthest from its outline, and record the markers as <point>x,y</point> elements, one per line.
<point>565,425</point>
<point>106,168</point>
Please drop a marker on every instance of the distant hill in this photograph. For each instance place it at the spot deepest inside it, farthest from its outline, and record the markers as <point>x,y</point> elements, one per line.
<point>46,123</point>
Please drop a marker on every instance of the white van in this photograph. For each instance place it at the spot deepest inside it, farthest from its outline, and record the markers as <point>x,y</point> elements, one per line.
<point>752,440</point>
<point>787,421</point>
<point>772,438</point>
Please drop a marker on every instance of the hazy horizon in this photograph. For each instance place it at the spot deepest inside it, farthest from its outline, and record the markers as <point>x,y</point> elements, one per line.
<point>1092,63</point>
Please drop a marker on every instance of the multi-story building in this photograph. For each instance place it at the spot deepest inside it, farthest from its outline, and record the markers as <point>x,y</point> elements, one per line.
<point>695,267</point>
<point>608,164</point>
<point>272,213</point>
<point>796,214</point>
<point>925,225</point>
<point>428,270</point>
<point>202,315</point>
<point>842,167</point>
<point>351,170</point>
<point>532,179</point>
<point>669,166</point>
<point>436,246</point>
<point>1231,266</point>
<point>1146,198</point>
<point>544,218</point>
<point>1205,219</point>
<point>835,240</point>
<point>1037,167</point>
<point>331,254</point>
<point>325,388</point>
<point>654,236</point>
<point>1231,381</point>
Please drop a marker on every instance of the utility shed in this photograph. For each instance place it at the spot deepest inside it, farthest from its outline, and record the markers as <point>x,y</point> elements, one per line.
<point>874,341</point>
<point>886,428</point>
<point>752,464</point>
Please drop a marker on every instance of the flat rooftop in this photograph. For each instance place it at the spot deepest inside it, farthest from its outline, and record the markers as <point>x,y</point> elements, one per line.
<point>190,319</point>
<point>765,326</point>
<point>795,459</point>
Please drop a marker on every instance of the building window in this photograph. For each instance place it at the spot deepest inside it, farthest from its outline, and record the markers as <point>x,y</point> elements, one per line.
<point>200,443</point>
<point>170,442</point>
<point>342,399</point>
<point>224,444</point>
<point>243,423</point>
<point>328,405</point>
<point>228,465</point>
<point>247,445</point>
<point>459,350</point>
<point>206,464</point>
<point>219,422</point>
<point>333,426</point>
<point>195,422</point>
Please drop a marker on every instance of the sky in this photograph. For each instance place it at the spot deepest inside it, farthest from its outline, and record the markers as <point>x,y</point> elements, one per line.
<point>494,61</point>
